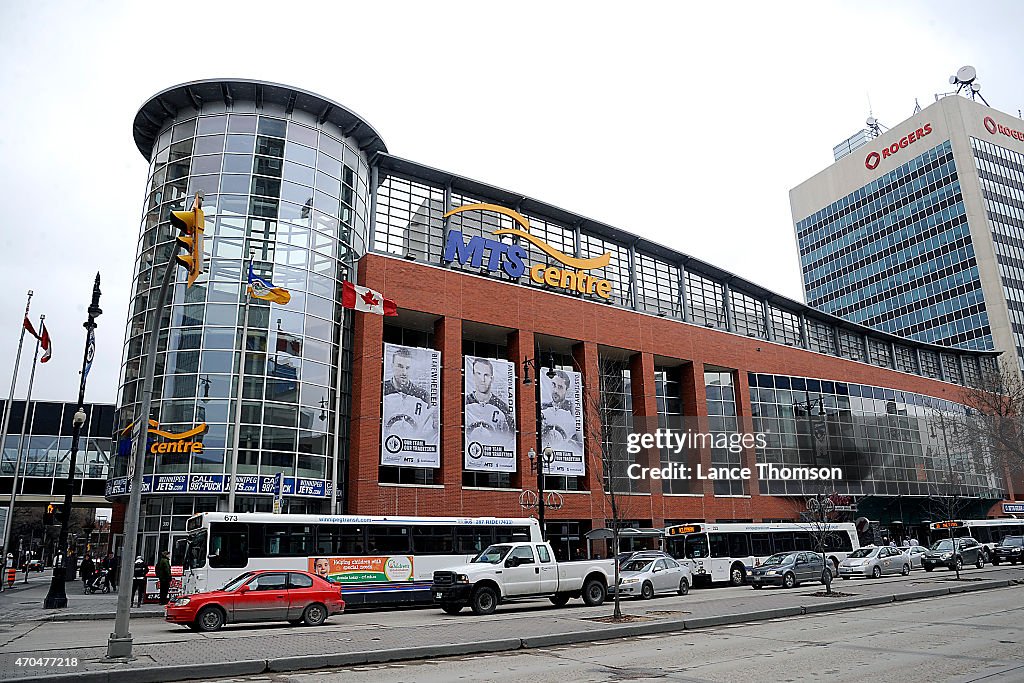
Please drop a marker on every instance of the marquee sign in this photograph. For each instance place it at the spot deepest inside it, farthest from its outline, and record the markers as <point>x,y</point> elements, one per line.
<point>511,258</point>
<point>218,483</point>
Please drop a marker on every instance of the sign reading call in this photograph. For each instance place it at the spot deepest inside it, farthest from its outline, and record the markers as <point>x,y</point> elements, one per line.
<point>483,252</point>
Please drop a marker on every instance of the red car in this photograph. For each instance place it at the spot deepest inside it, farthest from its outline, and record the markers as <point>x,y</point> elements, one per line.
<point>265,595</point>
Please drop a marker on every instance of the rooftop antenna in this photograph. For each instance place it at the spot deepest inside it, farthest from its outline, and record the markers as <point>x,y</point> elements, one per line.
<point>875,127</point>
<point>965,80</point>
<point>917,107</point>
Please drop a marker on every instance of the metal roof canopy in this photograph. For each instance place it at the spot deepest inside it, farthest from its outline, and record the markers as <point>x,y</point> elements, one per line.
<point>608,534</point>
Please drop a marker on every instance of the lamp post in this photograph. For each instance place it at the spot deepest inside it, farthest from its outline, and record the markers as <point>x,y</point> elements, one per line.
<point>536,465</point>
<point>57,596</point>
<point>807,405</point>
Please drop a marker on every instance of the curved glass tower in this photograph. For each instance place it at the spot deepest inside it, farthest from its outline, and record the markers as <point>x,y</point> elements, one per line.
<point>286,179</point>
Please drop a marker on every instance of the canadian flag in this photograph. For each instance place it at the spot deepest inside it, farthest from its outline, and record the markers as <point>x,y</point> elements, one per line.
<point>366,300</point>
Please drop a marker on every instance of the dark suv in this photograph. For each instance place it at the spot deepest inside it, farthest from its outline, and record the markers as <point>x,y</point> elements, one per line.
<point>942,554</point>
<point>1010,549</point>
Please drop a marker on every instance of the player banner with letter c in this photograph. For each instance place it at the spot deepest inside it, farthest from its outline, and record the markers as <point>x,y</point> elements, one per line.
<point>490,415</point>
<point>561,420</point>
<point>411,407</point>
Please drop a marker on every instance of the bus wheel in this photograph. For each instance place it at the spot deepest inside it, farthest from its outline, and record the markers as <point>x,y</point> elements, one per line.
<point>737,575</point>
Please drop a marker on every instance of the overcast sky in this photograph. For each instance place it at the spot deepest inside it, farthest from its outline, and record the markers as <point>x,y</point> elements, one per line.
<point>686,123</point>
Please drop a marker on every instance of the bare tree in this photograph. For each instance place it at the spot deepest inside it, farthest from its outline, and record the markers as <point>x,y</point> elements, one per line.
<point>995,408</point>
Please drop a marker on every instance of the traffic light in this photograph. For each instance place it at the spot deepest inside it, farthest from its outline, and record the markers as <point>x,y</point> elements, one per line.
<point>191,225</point>
<point>52,515</point>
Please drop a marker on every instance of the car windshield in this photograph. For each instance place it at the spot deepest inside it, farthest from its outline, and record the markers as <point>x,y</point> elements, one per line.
<point>637,565</point>
<point>862,552</point>
<point>778,558</point>
<point>622,557</point>
<point>237,581</point>
<point>1013,542</point>
<point>493,555</point>
<point>945,544</point>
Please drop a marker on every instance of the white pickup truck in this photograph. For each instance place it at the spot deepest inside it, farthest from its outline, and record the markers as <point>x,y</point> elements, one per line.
<point>506,571</point>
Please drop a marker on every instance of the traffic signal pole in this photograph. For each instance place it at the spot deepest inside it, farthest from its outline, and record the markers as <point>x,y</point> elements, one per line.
<point>119,644</point>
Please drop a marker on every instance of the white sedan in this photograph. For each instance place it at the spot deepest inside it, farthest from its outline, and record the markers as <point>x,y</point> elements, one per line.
<point>647,576</point>
<point>915,553</point>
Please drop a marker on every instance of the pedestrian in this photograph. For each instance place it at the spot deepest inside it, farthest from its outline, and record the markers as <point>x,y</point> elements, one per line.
<point>139,580</point>
<point>163,575</point>
<point>111,565</point>
<point>88,568</point>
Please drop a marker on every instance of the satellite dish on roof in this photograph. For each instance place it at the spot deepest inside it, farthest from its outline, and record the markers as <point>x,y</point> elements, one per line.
<point>872,122</point>
<point>952,80</point>
<point>966,74</point>
<point>976,87</point>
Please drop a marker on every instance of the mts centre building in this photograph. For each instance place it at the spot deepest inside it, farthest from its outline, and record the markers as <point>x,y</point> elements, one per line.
<point>525,332</point>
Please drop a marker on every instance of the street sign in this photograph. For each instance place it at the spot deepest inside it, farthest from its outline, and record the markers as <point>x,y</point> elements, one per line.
<point>1013,508</point>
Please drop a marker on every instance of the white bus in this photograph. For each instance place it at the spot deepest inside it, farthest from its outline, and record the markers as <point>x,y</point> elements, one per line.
<point>727,552</point>
<point>378,560</point>
<point>988,532</point>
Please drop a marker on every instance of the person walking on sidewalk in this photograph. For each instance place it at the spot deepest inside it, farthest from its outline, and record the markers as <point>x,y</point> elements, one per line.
<point>111,564</point>
<point>88,568</point>
<point>139,580</point>
<point>163,575</point>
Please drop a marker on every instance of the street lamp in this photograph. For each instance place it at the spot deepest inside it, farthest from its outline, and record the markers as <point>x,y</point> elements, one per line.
<point>57,597</point>
<point>547,456</point>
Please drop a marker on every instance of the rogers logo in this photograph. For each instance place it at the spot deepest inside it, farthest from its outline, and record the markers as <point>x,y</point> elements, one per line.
<point>872,160</point>
<point>993,128</point>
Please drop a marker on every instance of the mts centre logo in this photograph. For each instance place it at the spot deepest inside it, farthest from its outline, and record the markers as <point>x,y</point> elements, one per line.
<point>872,160</point>
<point>511,258</point>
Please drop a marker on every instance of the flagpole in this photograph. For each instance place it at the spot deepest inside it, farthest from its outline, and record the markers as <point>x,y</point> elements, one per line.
<point>238,398</point>
<point>9,408</point>
<point>21,443</point>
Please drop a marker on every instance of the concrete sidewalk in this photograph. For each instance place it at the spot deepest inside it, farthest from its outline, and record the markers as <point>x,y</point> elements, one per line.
<point>24,602</point>
<point>186,656</point>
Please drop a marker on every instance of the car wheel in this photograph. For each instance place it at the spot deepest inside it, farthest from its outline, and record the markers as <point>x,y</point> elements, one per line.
<point>684,586</point>
<point>927,568</point>
<point>559,599</point>
<point>209,619</point>
<point>314,615</point>
<point>451,608</point>
<point>593,593</point>
<point>788,581</point>
<point>980,564</point>
<point>906,569</point>
<point>484,600</point>
<point>647,591</point>
<point>876,572</point>
<point>959,564</point>
<point>826,577</point>
<point>737,575</point>
<point>757,586</point>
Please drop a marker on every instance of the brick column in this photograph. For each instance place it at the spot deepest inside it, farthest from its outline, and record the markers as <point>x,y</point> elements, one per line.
<point>448,340</point>
<point>695,404</point>
<point>521,347</point>
<point>585,356</point>
<point>364,421</point>
<point>645,419</point>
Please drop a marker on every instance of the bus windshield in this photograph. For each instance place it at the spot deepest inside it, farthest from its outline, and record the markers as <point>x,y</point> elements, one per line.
<point>493,555</point>
<point>195,552</point>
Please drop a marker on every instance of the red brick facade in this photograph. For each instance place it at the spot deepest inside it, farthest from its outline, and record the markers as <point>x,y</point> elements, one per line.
<point>453,298</point>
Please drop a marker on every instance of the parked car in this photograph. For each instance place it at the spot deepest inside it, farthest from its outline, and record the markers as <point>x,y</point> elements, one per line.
<point>635,554</point>
<point>915,553</point>
<point>35,565</point>
<point>1010,549</point>
<point>874,561</point>
<point>265,595</point>
<point>945,554</point>
<point>789,569</point>
<point>645,576</point>
<point>507,571</point>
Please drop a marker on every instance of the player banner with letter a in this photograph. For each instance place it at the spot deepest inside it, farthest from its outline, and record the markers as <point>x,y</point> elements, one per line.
<point>561,422</point>
<point>490,415</point>
<point>411,410</point>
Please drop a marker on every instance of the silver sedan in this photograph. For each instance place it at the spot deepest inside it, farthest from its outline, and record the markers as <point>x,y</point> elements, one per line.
<point>874,561</point>
<point>915,553</point>
<point>647,576</point>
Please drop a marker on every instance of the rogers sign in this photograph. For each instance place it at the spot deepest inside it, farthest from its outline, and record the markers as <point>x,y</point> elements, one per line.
<point>993,128</point>
<point>872,160</point>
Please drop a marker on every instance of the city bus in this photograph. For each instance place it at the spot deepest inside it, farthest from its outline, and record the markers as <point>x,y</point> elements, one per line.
<point>378,560</point>
<point>727,552</point>
<point>988,532</point>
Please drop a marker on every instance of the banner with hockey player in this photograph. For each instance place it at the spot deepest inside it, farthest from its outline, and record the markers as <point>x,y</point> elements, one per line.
<point>561,420</point>
<point>490,416</point>
<point>411,415</point>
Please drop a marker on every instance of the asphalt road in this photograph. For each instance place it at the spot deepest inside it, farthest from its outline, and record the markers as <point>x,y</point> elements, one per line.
<point>961,638</point>
<point>49,637</point>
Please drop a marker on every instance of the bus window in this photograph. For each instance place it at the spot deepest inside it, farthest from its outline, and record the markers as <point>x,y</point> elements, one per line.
<point>195,553</point>
<point>288,540</point>
<point>696,546</point>
<point>718,545</point>
<point>433,540</point>
<point>838,542</point>
<point>471,540</point>
<point>739,545</point>
<point>982,534</point>
<point>761,545</point>
<point>783,541</point>
<point>229,545</point>
<point>385,539</point>
<point>512,534</point>
<point>340,539</point>
<point>802,540</point>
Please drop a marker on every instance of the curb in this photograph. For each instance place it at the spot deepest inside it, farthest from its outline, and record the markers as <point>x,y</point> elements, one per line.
<point>95,616</point>
<point>148,674</point>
